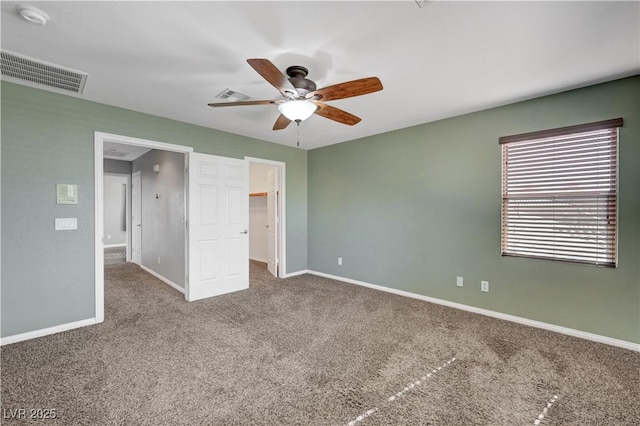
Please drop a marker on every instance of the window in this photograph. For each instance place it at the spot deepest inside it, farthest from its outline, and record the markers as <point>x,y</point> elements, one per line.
<point>560,194</point>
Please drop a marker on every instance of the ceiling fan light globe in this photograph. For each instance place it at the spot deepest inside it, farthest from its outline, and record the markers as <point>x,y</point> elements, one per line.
<point>297,109</point>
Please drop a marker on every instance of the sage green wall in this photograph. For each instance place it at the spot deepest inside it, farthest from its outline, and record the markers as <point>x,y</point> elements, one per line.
<point>414,208</point>
<point>47,138</point>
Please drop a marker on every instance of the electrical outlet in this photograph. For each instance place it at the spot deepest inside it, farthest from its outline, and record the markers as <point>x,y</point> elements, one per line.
<point>158,260</point>
<point>459,281</point>
<point>339,261</point>
<point>484,286</point>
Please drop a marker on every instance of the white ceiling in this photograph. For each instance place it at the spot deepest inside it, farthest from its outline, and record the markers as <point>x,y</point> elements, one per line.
<point>116,151</point>
<point>445,59</point>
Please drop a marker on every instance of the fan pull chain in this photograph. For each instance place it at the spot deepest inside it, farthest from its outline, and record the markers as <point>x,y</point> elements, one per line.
<point>298,123</point>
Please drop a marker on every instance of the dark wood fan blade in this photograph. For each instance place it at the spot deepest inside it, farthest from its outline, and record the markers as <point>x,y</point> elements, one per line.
<point>348,89</point>
<point>239,103</point>
<point>269,72</point>
<point>281,123</point>
<point>336,114</point>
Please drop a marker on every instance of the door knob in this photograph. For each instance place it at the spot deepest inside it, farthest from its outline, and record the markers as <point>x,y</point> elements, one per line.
<point>246,231</point>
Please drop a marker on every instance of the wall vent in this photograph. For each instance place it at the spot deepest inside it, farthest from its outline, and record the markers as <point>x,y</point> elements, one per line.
<point>41,73</point>
<point>232,95</point>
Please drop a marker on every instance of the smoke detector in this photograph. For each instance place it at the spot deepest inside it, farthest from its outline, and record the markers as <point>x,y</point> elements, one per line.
<point>33,14</point>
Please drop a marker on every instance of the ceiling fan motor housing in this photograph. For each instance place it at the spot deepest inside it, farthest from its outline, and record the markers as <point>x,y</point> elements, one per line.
<point>301,96</point>
<point>297,78</point>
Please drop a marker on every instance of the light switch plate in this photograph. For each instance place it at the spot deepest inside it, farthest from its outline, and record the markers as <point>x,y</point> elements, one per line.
<point>66,223</point>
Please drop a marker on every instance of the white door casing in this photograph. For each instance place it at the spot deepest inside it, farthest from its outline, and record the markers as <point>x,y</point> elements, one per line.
<point>218,226</point>
<point>100,138</point>
<point>272,221</point>
<point>136,218</point>
<point>281,203</point>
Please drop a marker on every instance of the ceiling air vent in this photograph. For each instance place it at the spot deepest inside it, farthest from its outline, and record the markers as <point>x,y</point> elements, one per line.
<point>114,153</point>
<point>232,95</point>
<point>41,73</point>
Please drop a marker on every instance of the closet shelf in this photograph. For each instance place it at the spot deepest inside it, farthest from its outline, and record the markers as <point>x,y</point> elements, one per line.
<point>257,194</point>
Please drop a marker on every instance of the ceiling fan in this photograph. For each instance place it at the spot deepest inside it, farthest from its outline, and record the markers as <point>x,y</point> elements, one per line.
<point>301,98</point>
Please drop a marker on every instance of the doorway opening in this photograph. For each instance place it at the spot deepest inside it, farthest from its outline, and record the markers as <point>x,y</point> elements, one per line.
<point>117,211</point>
<point>132,157</point>
<point>267,221</point>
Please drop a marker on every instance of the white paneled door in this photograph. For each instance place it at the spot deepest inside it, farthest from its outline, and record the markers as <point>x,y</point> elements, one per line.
<point>218,226</point>
<point>272,221</point>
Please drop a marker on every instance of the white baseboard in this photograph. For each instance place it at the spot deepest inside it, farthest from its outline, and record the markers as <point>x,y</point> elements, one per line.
<point>46,331</point>
<point>163,279</point>
<point>302,272</point>
<point>525,321</point>
<point>115,245</point>
<point>507,317</point>
<point>259,260</point>
<point>77,324</point>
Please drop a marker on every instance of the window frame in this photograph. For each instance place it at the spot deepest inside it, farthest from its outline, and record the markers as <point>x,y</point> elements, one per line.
<point>508,200</point>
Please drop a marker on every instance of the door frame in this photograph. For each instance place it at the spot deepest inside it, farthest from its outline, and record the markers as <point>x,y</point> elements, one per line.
<point>131,224</point>
<point>99,139</point>
<point>282,204</point>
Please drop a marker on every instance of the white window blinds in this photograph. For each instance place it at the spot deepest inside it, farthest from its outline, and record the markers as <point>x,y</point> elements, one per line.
<point>559,194</point>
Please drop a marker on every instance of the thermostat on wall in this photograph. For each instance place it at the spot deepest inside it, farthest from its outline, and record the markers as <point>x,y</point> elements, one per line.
<point>66,194</point>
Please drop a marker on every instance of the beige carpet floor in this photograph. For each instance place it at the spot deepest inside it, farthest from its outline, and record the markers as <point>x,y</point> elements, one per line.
<point>310,351</point>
